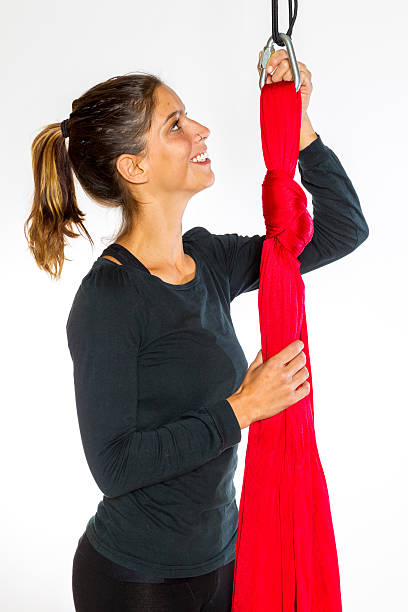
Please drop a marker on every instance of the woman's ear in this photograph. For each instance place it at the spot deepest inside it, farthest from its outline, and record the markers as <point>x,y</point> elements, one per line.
<point>129,166</point>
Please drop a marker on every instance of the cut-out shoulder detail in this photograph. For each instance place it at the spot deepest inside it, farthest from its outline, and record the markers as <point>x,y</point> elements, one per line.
<point>112,259</point>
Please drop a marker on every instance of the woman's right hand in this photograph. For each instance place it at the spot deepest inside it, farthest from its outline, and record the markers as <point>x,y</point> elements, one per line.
<point>271,386</point>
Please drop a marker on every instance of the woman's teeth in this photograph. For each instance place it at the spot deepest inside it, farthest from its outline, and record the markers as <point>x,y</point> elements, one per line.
<point>200,158</point>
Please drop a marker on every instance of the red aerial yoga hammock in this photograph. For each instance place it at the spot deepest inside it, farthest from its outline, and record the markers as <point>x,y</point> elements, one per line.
<point>286,557</point>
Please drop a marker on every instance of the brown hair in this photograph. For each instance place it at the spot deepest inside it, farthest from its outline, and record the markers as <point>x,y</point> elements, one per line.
<point>108,120</point>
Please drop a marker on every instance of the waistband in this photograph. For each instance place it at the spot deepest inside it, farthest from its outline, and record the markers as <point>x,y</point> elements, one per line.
<point>119,572</point>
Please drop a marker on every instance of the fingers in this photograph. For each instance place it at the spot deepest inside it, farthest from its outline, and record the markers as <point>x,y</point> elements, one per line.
<point>297,364</point>
<point>289,352</point>
<point>275,58</point>
<point>280,70</point>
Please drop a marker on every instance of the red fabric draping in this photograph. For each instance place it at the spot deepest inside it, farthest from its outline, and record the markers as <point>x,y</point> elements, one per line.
<point>286,557</point>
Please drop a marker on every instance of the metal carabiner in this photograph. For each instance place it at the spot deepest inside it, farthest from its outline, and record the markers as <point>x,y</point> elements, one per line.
<point>269,49</point>
<point>266,54</point>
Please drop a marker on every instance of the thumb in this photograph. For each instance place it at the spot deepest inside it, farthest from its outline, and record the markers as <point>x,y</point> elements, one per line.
<point>257,361</point>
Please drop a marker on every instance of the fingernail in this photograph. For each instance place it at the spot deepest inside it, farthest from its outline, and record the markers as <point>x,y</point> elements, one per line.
<point>269,69</point>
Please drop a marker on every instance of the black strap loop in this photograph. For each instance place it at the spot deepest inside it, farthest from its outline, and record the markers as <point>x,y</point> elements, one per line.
<point>277,39</point>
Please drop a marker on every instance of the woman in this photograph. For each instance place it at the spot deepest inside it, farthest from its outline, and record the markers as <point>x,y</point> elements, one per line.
<point>161,381</point>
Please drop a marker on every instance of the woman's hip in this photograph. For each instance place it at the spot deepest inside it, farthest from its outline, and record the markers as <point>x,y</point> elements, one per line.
<point>96,591</point>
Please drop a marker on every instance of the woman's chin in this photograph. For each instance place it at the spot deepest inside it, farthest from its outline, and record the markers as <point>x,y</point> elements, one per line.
<point>205,184</point>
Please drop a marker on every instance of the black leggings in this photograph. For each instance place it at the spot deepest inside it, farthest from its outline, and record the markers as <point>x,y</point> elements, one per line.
<point>94,591</point>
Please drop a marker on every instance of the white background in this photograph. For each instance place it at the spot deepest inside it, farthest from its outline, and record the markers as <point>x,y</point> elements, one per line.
<point>52,52</point>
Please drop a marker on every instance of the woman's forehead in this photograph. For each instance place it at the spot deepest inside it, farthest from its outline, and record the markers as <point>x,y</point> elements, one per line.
<point>168,101</point>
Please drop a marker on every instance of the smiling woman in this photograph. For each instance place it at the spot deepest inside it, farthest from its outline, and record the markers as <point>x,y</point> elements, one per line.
<point>121,159</point>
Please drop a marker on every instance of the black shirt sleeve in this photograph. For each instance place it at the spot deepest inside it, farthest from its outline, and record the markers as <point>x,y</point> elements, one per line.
<point>339,223</point>
<point>104,332</point>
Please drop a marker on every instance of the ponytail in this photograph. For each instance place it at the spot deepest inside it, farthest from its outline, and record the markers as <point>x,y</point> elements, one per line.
<point>111,118</point>
<point>54,209</point>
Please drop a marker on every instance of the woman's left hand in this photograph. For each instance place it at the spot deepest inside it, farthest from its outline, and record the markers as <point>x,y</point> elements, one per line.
<point>281,71</point>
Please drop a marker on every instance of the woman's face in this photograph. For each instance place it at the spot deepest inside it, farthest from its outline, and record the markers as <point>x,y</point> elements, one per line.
<point>168,170</point>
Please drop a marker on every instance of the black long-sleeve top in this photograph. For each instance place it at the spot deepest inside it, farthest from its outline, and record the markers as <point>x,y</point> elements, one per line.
<point>153,363</point>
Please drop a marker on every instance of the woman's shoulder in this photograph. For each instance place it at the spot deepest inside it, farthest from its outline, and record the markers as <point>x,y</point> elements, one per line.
<point>108,287</point>
<point>209,243</point>
<point>217,247</point>
<point>107,302</point>
<point>105,274</point>
<point>196,234</point>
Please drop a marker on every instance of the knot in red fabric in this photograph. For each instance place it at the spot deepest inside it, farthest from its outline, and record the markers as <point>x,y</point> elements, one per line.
<point>284,208</point>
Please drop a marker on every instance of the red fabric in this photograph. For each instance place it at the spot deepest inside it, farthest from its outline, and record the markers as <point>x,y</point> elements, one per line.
<point>286,557</point>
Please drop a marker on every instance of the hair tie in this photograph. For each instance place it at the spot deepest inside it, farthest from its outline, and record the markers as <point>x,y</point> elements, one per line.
<point>64,128</point>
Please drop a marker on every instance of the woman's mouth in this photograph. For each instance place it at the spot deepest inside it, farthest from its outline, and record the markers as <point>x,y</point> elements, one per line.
<point>201,163</point>
<point>201,159</point>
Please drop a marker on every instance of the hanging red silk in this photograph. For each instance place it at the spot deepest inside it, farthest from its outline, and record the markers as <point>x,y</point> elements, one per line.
<point>286,557</point>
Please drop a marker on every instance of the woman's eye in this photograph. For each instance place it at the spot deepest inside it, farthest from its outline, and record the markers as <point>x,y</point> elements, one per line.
<point>174,124</point>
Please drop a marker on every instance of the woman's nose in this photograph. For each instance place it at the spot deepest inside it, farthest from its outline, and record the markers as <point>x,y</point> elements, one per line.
<point>202,132</point>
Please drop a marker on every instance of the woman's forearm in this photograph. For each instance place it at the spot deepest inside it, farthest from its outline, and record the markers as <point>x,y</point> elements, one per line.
<point>307,133</point>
